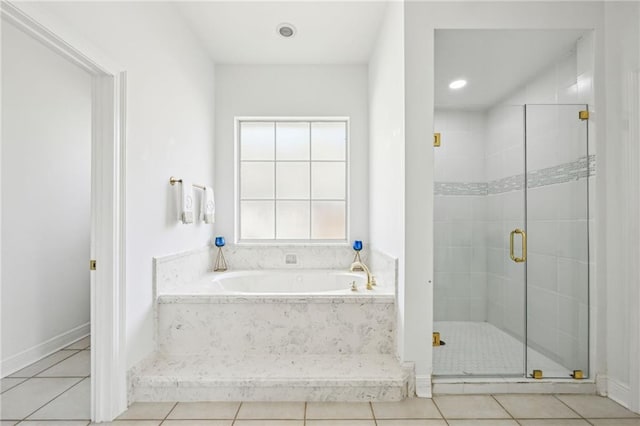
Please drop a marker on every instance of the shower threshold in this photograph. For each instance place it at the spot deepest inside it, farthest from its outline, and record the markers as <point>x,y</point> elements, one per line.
<point>481,358</point>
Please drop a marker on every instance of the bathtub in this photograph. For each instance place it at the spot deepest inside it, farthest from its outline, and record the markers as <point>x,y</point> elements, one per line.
<point>280,283</point>
<point>294,311</point>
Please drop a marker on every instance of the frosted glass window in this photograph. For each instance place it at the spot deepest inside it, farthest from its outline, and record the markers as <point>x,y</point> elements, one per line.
<point>257,220</point>
<point>257,180</point>
<point>257,141</point>
<point>292,220</point>
<point>292,177</point>
<point>328,181</point>
<point>328,220</point>
<point>329,141</point>
<point>292,180</point>
<point>292,141</point>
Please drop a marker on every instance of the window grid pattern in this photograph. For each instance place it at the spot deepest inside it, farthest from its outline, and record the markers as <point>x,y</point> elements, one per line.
<point>295,190</point>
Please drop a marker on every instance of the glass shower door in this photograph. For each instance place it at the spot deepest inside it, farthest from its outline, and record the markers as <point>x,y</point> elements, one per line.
<point>479,200</point>
<point>557,290</point>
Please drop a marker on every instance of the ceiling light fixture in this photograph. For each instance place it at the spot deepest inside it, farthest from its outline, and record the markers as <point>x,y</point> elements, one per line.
<point>286,30</point>
<point>457,84</point>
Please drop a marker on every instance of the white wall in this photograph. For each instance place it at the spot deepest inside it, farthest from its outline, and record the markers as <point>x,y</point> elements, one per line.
<point>289,91</point>
<point>386,149</point>
<point>46,190</point>
<point>421,19</point>
<point>620,204</point>
<point>170,122</point>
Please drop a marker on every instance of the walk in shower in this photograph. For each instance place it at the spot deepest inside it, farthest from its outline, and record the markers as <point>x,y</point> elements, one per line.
<point>512,178</point>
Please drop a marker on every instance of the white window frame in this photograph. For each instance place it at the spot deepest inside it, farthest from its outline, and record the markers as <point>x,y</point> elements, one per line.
<point>236,165</point>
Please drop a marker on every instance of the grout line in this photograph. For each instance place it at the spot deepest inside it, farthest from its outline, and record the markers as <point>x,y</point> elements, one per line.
<point>43,370</point>
<point>373,414</point>
<point>170,411</point>
<point>567,405</point>
<point>50,367</point>
<point>237,412</point>
<point>24,379</point>
<point>305,414</point>
<point>503,407</point>
<point>51,400</point>
<point>439,410</point>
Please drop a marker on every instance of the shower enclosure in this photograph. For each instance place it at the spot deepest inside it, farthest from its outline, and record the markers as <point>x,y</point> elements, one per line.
<point>512,241</point>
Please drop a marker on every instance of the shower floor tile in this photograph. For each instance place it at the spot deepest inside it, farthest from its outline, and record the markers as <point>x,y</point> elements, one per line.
<point>479,348</point>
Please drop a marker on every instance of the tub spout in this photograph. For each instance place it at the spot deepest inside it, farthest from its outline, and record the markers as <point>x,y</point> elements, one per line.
<point>354,265</point>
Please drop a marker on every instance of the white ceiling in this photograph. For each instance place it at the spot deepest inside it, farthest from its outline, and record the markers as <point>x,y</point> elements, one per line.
<point>494,62</point>
<point>328,32</point>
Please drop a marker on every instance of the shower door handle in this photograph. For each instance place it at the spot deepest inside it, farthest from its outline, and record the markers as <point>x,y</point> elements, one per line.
<point>524,245</point>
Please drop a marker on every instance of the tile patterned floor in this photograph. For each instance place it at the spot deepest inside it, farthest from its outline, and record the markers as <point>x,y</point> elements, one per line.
<point>55,391</point>
<point>479,348</point>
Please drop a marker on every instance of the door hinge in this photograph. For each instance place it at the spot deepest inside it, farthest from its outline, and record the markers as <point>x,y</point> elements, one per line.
<point>536,374</point>
<point>92,265</point>
<point>436,338</point>
<point>583,115</point>
<point>436,139</point>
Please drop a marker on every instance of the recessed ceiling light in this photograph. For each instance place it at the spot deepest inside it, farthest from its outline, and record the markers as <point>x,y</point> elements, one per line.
<point>457,84</point>
<point>286,30</point>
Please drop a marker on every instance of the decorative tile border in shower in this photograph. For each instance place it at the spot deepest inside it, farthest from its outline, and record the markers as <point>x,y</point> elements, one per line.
<point>461,188</point>
<point>567,172</point>
<point>581,168</point>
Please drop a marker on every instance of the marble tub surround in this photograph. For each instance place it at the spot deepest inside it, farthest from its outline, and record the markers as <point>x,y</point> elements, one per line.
<point>318,327</point>
<point>212,345</point>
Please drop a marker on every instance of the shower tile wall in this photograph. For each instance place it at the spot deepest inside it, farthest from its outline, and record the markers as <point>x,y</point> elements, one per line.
<point>475,278</point>
<point>460,213</point>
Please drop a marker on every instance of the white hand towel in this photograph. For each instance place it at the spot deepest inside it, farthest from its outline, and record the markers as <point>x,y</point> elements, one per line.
<point>208,206</point>
<point>187,202</point>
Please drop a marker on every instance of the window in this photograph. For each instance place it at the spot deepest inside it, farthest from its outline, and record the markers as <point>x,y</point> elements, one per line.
<point>292,180</point>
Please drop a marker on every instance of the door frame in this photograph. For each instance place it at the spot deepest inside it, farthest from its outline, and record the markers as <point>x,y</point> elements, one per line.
<point>108,125</point>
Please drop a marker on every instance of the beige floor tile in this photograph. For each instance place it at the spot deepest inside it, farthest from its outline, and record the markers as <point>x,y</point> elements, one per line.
<point>54,423</point>
<point>43,364</point>
<point>74,404</point>
<point>410,408</point>
<point>80,344</point>
<point>482,422</point>
<point>336,422</point>
<point>554,422</point>
<point>268,423</point>
<point>7,423</point>
<point>470,407</point>
<point>205,410</point>
<point>592,406</point>
<point>272,410</point>
<point>147,411</point>
<point>130,423</point>
<point>27,397</point>
<point>615,422</point>
<point>339,410</point>
<point>535,407</point>
<point>78,365</point>
<point>193,422</point>
<point>8,383</point>
<point>411,422</point>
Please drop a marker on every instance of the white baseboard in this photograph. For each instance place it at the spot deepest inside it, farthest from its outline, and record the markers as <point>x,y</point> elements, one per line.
<point>619,392</point>
<point>29,356</point>
<point>423,386</point>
